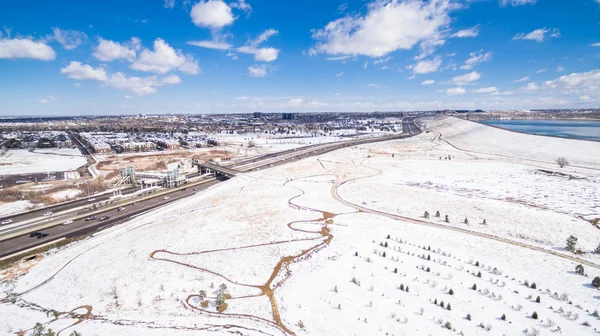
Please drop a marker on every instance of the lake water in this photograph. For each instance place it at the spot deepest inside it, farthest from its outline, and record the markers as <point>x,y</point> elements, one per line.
<point>575,129</point>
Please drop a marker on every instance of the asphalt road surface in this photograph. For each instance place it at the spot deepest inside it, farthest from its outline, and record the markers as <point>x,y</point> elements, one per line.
<point>81,226</point>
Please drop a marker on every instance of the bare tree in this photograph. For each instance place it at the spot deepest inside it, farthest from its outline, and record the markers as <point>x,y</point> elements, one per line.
<point>561,161</point>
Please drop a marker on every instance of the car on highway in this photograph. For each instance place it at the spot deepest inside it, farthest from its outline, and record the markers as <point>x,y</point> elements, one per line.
<point>42,235</point>
<point>91,199</point>
<point>67,222</point>
<point>121,209</point>
<point>166,197</point>
<point>90,218</point>
<point>34,234</point>
<point>135,203</point>
<point>195,188</point>
<point>6,221</point>
<point>103,218</point>
<point>49,213</point>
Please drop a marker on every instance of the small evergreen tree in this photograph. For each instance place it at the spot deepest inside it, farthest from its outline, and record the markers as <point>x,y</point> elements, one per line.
<point>202,295</point>
<point>571,243</point>
<point>385,245</point>
<point>428,270</point>
<point>447,220</point>
<point>388,236</point>
<point>469,317</point>
<point>449,307</point>
<point>406,288</point>
<point>534,286</point>
<point>448,326</point>
<point>395,270</point>
<point>538,299</point>
<point>428,257</point>
<point>579,269</point>
<point>356,254</point>
<point>474,287</point>
<point>429,248</point>
<point>384,254</point>
<point>503,317</point>
<point>401,286</point>
<point>466,220</point>
<point>442,304</point>
<point>435,302</point>
<point>426,214</point>
<point>534,315</point>
<point>597,250</point>
<point>596,282</point>
<point>477,263</point>
<point>437,214</point>
<point>451,292</point>
<point>479,275</point>
<point>484,222</point>
<point>526,283</point>
<point>75,333</point>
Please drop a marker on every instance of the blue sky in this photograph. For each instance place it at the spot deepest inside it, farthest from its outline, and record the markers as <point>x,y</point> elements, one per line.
<point>179,56</point>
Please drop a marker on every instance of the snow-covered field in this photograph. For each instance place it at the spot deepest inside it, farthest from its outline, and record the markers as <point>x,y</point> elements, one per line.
<point>21,161</point>
<point>316,247</point>
<point>66,194</point>
<point>14,207</point>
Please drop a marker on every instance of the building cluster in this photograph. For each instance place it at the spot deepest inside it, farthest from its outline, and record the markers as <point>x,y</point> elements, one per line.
<point>33,139</point>
<point>120,142</point>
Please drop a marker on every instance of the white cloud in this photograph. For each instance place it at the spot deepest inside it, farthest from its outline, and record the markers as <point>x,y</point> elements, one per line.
<point>44,101</point>
<point>171,79</point>
<point>457,91</point>
<point>471,32</point>
<point>515,3</point>
<point>243,98</point>
<point>382,60</point>
<point>595,44</point>
<point>541,70</point>
<point>242,5</point>
<point>490,89</point>
<point>169,3</point>
<point>537,35</point>
<point>578,82</point>
<point>423,67</point>
<point>257,70</point>
<point>428,82</point>
<point>295,101</point>
<point>585,98</point>
<point>164,59</point>
<point>476,57</point>
<point>127,97</point>
<point>76,70</point>
<point>211,44</point>
<point>376,86</point>
<point>266,54</point>
<point>69,39</point>
<point>411,77</point>
<point>214,14</point>
<point>466,78</point>
<point>387,26</point>
<point>560,69</point>
<point>137,85</point>
<point>385,67</point>
<point>25,48</point>
<point>524,79</point>
<point>366,64</point>
<point>340,74</point>
<point>530,87</point>
<point>337,58</point>
<point>107,50</point>
<point>232,55</point>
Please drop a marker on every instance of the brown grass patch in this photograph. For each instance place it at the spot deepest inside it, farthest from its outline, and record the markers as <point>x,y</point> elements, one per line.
<point>222,307</point>
<point>204,304</point>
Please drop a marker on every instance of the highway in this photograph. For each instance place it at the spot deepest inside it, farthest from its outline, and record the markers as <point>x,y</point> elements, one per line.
<point>22,242</point>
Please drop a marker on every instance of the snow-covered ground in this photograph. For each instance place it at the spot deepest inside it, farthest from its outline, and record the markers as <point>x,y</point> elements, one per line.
<point>66,194</point>
<point>297,260</point>
<point>14,207</point>
<point>21,161</point>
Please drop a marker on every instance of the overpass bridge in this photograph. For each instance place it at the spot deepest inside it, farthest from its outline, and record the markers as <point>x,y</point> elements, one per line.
<point>209,167</point>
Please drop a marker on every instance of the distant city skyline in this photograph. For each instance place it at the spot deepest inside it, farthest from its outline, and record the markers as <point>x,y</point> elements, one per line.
<point>70,57</point>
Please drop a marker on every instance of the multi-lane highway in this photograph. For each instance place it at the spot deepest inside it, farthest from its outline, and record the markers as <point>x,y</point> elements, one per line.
<point>23,241</point>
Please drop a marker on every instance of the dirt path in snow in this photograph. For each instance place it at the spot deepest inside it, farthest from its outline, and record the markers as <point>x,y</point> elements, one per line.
<point>336,196</point>
<point>281,272</point>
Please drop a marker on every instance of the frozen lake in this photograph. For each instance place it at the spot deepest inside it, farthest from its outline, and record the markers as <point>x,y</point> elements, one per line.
<point>575,129</point>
